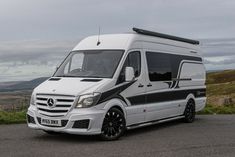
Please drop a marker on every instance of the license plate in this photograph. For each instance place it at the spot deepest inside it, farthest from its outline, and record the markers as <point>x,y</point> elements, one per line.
<point>51,122</point>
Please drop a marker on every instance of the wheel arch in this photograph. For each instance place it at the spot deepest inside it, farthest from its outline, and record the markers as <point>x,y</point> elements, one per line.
<point>116,103</point>
<point>190,96</point>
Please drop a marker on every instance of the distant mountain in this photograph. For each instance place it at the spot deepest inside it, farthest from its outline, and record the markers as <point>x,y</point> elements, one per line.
<point>21,85</point>
<point>5,84</point>
<point>213,71</point>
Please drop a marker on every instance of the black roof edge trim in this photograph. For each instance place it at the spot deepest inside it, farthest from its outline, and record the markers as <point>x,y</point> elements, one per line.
<point>165,36</point>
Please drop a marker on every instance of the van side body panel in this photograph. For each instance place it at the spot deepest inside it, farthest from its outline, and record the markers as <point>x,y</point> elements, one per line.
<point>161,100</point>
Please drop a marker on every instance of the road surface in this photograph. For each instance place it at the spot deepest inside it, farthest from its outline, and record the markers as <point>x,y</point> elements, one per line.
<point>208,136</point>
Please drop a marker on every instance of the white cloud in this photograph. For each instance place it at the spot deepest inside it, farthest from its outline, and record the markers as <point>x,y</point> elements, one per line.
<point>71,18</point>
<point>41,33</point>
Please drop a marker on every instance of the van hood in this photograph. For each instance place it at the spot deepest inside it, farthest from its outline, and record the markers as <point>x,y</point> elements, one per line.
<point>70,86</point>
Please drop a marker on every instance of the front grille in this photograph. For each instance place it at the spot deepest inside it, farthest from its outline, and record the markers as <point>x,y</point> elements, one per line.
<point>61,106</point>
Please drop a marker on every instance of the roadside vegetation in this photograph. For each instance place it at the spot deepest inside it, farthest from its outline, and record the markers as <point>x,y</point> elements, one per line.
<point>10,117</point>
<point>220,93</point>
<point>212,109</point>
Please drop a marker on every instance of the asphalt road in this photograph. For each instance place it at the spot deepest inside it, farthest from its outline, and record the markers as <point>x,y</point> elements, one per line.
<point>212,136</point>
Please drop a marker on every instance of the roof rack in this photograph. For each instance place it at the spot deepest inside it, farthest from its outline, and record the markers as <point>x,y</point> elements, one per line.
<point>165,36</point>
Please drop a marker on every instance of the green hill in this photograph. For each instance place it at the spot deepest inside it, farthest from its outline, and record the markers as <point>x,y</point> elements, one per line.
<point>220,92</point>
<point>220,77</point>
<point>221,83</point>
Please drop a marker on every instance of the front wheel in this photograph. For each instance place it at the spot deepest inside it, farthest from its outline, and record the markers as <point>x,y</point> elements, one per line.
<point>114,125</point>
<point>189,113</point>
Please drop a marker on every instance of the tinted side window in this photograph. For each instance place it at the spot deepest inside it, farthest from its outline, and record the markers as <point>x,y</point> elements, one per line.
<point>133,60</point>
<point>159,66</point>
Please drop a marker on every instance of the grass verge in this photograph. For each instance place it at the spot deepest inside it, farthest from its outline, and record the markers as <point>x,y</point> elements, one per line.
<point>212,109</point>
<point>12,117</point>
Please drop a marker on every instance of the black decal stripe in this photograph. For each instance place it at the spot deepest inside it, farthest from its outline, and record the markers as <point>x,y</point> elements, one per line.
<point>138,100</point>
<point>166,96</point>
<point>173,83</point>
<point>115,92</point>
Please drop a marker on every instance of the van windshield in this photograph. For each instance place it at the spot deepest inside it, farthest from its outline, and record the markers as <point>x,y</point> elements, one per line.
<point>90,63</point>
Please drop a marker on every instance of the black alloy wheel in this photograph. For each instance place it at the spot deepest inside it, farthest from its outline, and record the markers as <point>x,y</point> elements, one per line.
<point>114,125</point>
<point>189,113</point>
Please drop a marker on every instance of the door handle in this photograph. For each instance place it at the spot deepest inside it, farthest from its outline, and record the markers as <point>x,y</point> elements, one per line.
<point>149,85</point>
<point>140,85</point>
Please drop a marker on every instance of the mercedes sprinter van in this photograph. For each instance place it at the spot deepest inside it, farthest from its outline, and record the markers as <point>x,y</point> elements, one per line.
<point>110,83</point>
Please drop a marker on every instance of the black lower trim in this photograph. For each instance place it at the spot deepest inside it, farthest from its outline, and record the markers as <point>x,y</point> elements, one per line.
<point>30,119</point>
<point>166,96</point>
<point>153,121</point>
<point>81,124</point>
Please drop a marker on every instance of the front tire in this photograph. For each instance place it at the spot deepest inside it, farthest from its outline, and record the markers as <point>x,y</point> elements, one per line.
<point>189,113</point>
<point>114,125</point>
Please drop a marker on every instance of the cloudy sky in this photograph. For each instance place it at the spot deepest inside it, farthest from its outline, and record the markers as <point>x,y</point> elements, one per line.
<point>36,35</point>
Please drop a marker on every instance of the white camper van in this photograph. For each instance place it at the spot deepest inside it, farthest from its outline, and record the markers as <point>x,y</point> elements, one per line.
<point>110,83</point>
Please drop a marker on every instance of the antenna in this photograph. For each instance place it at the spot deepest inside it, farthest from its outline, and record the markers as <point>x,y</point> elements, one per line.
<point>98,42</point>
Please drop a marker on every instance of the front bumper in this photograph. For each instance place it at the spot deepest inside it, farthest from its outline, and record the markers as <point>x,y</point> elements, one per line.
<point>94,115</point>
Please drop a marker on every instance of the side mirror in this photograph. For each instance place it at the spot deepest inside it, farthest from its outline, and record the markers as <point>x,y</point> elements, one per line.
<point>129,74</point>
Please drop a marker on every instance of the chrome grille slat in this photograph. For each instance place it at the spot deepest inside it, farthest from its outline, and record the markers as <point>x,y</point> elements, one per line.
<point>51,114</point>
<point>62,106</point>
<point>63,103</point>
<point>41,104</point>
<point>48,108</point>
<point>43,99</point>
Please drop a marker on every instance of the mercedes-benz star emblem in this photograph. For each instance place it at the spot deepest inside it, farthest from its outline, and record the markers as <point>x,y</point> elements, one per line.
<point>50,102</point>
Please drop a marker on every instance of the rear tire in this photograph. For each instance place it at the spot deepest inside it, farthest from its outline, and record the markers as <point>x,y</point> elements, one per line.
<point>114,125</point>
<point>189,113</point>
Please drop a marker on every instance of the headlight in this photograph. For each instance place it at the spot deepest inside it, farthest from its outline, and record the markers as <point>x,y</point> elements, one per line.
<point>32,100</point>
<point>88,100</point>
